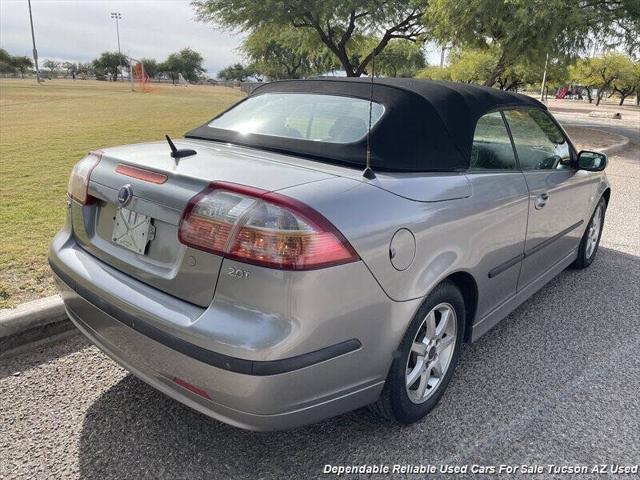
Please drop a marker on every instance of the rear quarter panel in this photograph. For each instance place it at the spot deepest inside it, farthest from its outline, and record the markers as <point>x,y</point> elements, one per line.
<point>472,234</point>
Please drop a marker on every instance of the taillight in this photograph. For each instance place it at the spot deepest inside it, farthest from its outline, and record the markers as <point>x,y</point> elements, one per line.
<point>79,179</point>
<point>262,228</point>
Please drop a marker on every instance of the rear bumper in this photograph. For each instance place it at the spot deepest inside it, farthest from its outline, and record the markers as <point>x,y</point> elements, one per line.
<point>148,333</point>
<point>226,362</point>
<point>159,366</point>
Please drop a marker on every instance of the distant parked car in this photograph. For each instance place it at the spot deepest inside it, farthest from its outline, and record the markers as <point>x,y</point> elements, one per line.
<point>260,273</point>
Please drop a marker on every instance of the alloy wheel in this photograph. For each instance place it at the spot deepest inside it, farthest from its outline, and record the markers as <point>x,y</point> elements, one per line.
<point>431,352</point>
<point>594,232</point>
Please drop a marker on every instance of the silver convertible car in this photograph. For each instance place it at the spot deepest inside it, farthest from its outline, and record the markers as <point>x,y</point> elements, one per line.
<point>323,245</point>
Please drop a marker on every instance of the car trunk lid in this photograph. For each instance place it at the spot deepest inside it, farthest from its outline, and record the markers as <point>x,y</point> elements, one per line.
<point>160,188</point>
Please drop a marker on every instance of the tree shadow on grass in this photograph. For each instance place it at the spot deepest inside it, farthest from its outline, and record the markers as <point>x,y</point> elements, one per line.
<point>509,381</point>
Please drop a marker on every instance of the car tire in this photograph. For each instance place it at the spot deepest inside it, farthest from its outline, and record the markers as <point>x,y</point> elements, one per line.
<point>591,238</point>
<point>424,352</point>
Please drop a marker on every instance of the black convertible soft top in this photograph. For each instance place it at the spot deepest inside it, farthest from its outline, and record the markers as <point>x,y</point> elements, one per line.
<point>426,126</point>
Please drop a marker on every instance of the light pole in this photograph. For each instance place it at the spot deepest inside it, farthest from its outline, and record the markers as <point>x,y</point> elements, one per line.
<point>35,51</point>
<point>117,16</point>
<point>544,78</point>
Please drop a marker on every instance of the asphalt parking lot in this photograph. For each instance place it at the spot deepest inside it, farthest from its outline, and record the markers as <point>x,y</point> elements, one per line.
<point>557,382</point>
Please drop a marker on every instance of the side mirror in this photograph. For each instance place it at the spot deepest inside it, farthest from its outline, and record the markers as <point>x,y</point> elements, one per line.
<point>591,161</point>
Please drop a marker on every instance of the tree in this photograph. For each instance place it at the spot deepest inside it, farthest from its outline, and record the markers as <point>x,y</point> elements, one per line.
<point>280,52</point>
<point>599,72</point>
<point>465,66</point>
<point>6,64</point>
<point>628,82</point>
<point>557,72</point>
<point>476,65</point>
<point>472,65</point>
<point>335,23</point>
<point>70,67</point>
<point>518,30</point>
<point>151,67</point>
<point>52,65</point>
<point>86,69</point>
<point>110,63</point>
<point>170,67</point>
<point>236,72</point>
<point>187,62</point>
<point>22,64</point>
<point>400,59</point>
<point>529,72</point>
<point>435,73</point>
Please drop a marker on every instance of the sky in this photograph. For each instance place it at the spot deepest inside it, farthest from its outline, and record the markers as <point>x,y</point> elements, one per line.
<point>79,30</point>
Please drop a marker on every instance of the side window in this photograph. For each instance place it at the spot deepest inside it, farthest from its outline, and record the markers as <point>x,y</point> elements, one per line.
<point>539,142</point>
<point>492,149</point>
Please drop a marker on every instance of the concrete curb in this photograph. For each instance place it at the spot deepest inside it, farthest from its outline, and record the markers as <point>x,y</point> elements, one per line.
<point>611,149</point>
<point>32,321</point>
<point>616,147</point>
<point>605,114</point>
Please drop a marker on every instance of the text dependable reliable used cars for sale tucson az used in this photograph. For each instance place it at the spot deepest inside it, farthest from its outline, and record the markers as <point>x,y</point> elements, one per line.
<point>324,245</point>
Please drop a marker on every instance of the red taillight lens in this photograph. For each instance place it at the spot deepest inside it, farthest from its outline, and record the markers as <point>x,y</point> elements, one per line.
<point>79,179</point>
<point>262,228</point>
<point>211,216</point>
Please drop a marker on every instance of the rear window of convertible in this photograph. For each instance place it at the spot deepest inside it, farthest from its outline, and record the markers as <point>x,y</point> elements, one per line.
<point>314,117</point>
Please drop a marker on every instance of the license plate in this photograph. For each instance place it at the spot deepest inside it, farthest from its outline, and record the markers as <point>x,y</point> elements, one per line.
<point>132,230</point>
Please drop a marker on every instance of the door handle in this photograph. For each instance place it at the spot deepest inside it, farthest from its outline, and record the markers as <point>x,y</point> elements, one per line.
<point>541,200</point>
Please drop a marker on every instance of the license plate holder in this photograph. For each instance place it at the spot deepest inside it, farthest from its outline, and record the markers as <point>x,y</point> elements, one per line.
<point>132,230</point>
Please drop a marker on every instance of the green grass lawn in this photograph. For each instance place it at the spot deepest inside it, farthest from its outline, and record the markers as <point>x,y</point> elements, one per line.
<point>45,129</point>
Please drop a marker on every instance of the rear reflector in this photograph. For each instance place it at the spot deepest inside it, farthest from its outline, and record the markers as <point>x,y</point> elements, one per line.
<point>141,174</point>
<point>79,180</point>
<point>192,388</point>
<point>262,228</point>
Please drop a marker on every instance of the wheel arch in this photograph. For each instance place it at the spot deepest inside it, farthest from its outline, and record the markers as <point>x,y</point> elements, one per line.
<point>468,286</point>
<point>607,195</point>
